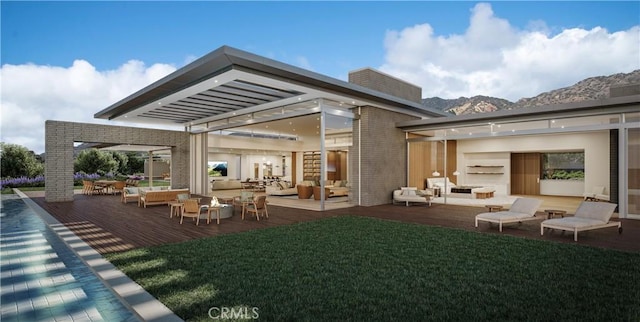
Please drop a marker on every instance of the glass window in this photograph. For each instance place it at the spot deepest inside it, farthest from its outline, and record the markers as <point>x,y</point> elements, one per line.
<point>563,166</point>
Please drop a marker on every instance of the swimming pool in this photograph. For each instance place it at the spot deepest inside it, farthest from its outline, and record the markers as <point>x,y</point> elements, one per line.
<point>42,279</point>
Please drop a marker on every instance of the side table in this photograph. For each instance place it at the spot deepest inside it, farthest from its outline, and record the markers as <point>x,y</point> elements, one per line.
<point>553,212</point>
<point>175,208</point>
<point>493,208</point>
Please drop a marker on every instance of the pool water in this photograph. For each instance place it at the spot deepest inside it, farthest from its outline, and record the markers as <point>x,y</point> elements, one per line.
<point>42,279</point>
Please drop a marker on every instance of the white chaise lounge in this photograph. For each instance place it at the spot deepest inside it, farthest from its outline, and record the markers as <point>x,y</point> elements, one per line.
<point>521,210</point>
<point>590,215</point>
<point>409,195</point>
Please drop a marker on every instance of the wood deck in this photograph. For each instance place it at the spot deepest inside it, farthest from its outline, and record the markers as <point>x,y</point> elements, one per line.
<point>108,225</point>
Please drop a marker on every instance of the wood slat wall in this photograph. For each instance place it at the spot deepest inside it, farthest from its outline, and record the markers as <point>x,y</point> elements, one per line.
<point>425,157</point>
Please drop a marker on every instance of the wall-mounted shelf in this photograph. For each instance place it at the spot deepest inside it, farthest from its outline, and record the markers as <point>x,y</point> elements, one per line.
<point>485,169</point>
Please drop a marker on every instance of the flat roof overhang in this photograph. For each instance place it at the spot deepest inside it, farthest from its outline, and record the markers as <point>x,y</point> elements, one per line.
<point>623,104</point>
<point>229,82</point>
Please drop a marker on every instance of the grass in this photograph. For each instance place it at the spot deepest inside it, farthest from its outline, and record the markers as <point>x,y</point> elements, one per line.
<point>361,269</point>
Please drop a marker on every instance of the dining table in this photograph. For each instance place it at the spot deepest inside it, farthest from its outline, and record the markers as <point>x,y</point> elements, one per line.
<point>107,184</point>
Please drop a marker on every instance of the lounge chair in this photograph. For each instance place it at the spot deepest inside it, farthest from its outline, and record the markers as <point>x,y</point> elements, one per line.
<point>590,215</point>
<point>521,210</point>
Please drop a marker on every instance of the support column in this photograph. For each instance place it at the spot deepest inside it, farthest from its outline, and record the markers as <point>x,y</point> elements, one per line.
<point>150,169</point>
<point>199,160</point>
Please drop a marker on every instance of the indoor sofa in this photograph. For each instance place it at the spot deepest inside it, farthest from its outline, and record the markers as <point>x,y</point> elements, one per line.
<point>226,184</point>
<point>281,189</point>
<point>409,195</point>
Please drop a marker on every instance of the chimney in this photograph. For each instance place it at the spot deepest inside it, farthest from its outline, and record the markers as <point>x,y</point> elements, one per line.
<point>381,82</point>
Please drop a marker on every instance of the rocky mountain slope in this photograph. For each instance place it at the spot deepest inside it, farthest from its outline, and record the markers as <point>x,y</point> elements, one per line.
<point>592,88</point>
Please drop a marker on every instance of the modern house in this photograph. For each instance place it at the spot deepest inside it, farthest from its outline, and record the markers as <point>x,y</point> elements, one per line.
<point>261,118</point>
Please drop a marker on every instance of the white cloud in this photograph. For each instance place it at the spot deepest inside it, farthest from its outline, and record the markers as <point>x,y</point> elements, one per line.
<point>303,62</point>
<point>32,94</point>
<point>493,58</point>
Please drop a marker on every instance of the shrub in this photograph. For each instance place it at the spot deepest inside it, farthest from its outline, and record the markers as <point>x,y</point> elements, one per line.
<point>37,181</point>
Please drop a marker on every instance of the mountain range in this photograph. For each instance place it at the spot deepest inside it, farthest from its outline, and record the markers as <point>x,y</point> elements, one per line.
<point>592,88</point>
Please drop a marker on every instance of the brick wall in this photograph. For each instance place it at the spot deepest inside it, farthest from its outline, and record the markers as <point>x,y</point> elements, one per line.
<point>60,137</point>
<point>384,155</point>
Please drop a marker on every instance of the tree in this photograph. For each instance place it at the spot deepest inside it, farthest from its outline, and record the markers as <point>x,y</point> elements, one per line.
<point>135,164</point>
<point>95,161</point>
<point>18,161</point>
<point>122,160</point>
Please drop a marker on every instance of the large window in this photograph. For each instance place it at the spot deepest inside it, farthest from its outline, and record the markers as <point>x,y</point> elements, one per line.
<point>563,166</point>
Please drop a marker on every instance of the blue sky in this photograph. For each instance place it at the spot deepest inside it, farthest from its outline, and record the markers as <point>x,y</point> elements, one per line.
<point>334,36</point>
<point>83,56</point>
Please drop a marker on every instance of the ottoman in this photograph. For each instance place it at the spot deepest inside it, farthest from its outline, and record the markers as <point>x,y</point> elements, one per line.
<point>483,193</point>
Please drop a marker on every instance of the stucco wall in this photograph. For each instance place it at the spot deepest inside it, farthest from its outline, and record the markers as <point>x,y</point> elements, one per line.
<point>60,137</point>
<point>594,144</point>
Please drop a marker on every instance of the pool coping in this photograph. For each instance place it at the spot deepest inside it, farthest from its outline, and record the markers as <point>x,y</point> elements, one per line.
<point>142,304</point>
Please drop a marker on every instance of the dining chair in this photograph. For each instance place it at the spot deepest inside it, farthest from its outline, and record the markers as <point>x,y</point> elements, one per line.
<point>191,208</point>
<point>118,187</point>
<point>258,207</point>
<point>93,188</point>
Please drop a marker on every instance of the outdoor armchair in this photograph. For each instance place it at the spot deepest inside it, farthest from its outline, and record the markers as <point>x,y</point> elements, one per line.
<point>191,208</point>
<point>243,200</point>
<point>257,207</point>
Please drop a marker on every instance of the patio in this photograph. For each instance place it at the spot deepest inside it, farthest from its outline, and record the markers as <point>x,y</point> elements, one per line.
<point>111,226</point>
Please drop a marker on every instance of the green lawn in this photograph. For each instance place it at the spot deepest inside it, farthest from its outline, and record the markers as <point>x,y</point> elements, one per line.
<point>361,269</point>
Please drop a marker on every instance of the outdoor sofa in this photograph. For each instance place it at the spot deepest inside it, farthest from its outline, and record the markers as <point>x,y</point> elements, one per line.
<point>159,197</point>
